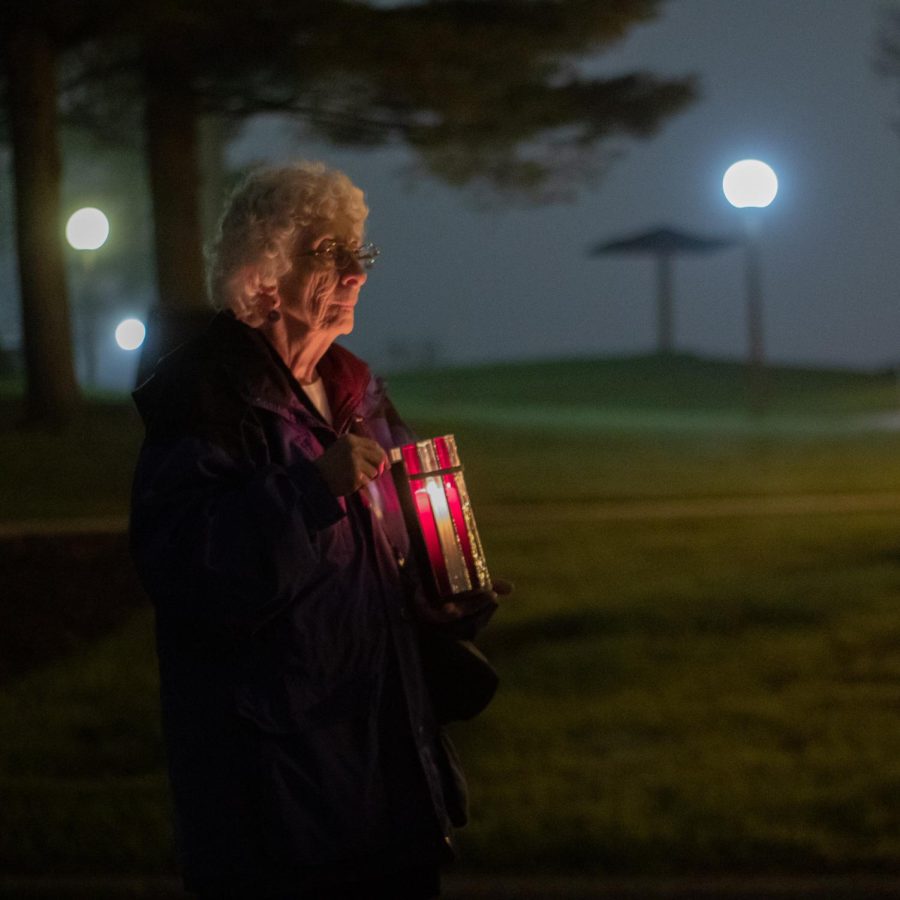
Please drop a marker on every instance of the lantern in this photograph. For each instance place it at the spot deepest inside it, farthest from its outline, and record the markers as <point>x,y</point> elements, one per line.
<point>439,517</point>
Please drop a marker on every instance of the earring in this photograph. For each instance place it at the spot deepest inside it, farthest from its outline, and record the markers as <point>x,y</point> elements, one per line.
<point>273,315</point>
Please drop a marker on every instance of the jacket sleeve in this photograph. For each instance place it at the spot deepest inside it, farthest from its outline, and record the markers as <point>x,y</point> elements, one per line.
<point>220,542</point>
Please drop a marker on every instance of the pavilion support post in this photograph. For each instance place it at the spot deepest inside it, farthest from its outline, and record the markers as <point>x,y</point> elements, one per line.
<point>665,326</point>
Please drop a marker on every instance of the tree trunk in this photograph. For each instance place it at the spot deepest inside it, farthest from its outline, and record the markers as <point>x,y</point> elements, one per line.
<point>171,135</point>
<point>51,389</point>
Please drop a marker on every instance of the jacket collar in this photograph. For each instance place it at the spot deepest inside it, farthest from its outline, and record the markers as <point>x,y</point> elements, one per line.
<point>262,378</point>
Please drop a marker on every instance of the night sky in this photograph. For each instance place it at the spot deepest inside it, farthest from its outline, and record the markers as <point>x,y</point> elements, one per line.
<point>791,82</point>
<point>787,81</point>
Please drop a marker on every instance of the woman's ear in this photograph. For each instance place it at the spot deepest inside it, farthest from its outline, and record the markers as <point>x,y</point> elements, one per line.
<point>254,299</point>
<point>267,296</point>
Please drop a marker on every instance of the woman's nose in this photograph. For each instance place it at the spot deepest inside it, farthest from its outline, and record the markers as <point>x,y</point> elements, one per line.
<point>355,273</point>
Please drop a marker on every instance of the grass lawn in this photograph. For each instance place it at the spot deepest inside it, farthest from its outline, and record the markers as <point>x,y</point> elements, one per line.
<point>87,472</point>
<point>679,695</point>
<point>693,697</point>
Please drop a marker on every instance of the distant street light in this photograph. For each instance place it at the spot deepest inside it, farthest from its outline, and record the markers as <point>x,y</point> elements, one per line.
<point>752,184</point>
<point>130,334</point>
<point>86,231</point>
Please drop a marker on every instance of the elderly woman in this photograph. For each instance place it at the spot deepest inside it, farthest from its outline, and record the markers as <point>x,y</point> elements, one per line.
<point>305,752</point>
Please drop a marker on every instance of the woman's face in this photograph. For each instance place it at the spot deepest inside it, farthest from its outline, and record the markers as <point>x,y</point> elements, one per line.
<point>317,293</point>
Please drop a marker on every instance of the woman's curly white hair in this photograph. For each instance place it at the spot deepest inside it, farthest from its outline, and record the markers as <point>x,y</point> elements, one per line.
<point>268,215</point>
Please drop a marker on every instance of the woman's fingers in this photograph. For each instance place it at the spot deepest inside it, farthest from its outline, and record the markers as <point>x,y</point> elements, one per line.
<point>375,456</point>
<point>368,455</point>
<point>350,463</point>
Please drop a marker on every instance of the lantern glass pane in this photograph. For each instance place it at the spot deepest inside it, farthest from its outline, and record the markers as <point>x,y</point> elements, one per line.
<point>443,514</point>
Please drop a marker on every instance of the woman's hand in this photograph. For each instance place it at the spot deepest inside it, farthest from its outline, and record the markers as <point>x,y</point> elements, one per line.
<point>350,463</point>
<point>470,603</point>
<point>467,613</point>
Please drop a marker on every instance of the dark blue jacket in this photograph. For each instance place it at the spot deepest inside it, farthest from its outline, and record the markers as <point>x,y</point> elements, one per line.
<point>301,740</point>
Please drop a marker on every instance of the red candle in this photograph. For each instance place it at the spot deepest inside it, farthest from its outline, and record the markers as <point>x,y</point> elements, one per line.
<point>430,535</point>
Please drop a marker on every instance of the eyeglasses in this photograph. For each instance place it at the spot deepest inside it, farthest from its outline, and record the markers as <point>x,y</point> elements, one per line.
<point>341,256</point>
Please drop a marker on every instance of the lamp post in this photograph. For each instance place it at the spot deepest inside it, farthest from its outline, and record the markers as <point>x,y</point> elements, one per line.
<point>751,184</point>
<point>86,231</point>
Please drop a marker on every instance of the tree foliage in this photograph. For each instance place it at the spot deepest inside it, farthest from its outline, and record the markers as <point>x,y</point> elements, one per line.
<point>485,93</point>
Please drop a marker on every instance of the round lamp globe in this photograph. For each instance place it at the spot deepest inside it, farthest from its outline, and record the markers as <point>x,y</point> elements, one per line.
<point>87,229</point>
<point>750,182</point>
<point>130,334</point>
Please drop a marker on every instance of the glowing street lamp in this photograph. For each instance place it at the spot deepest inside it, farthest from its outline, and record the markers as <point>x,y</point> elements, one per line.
<point>86,231</point>
<point>751,184</point>
<point>130,334</point>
